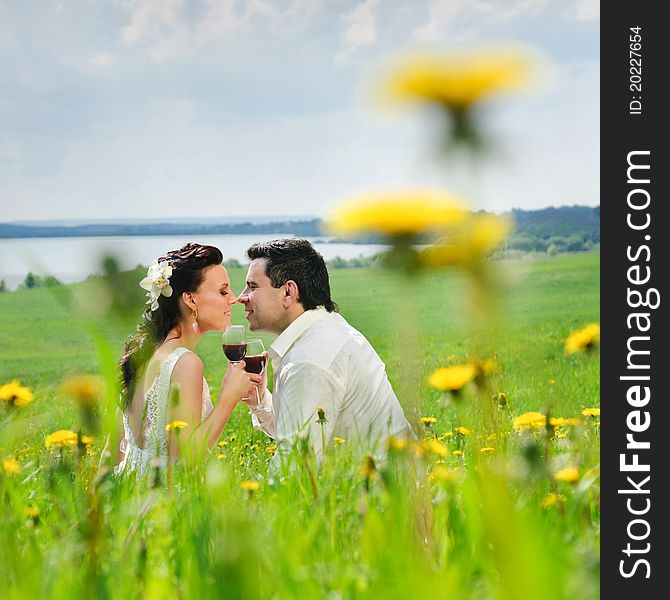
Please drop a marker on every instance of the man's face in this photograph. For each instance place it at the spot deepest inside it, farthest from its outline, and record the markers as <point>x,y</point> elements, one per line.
<point>263,303</point>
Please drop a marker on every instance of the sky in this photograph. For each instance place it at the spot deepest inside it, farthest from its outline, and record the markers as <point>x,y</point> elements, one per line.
<point>207,108</point>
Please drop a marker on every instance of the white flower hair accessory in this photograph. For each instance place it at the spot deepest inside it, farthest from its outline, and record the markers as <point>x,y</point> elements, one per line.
<point>157,282</point>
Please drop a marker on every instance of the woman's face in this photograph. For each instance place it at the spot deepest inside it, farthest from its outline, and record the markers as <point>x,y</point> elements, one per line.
<point>213,300</point>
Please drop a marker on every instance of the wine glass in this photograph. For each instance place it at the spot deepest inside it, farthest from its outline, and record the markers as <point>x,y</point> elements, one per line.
<point>255,360</point>
<point>234,343</point>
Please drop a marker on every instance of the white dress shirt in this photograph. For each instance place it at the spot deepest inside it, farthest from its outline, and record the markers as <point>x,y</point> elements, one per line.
<point>320,360</point>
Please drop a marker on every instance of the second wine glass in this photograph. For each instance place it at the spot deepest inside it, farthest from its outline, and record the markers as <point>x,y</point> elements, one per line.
<point>255,360</point>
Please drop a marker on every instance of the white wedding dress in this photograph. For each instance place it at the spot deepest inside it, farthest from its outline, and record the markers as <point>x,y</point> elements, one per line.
<point>153,451</point>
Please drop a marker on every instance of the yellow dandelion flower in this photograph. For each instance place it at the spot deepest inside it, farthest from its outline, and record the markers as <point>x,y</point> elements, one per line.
<point>458,453</point>
<point>31,512</point>
<point>444,436</point>
<point>368,469</point>
<point>444,475</point>
<point>474,239</point>
<point>399,213</point>
<point>220,456</point>
<point>452,379</point>
<point>84,389</point>
<point>250,485</point>
<point>563,422</point>
<point>462,431</point>
<point>456,79</point>
<point>11,466</point>
<point>272,449</point>
<point>428,421</point>
<point>338,441</point>
<point>552,382</point>
<point>492,438</point>
<point>567,474</point>
<point>13,394</point>
<point>396,444</point>
<point>591,412</point>
<point>321,415</point>
<point>222,443</point>
<point>176,426</point>
<point>487,450</point>
<point>552,500</point>
<point>417,449</point>
<point>529,420</point>
<point>586,338</point>
<point>437,448</point>
<point>61,439</point>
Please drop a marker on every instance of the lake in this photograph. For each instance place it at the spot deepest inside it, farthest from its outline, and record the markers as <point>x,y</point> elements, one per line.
<point>74,258</point>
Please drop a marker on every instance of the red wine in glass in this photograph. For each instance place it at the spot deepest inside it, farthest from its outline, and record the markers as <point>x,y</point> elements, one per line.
<point>254,364</point>
<point>235,352</point>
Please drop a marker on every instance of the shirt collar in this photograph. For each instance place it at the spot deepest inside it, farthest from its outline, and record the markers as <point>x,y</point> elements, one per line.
<point>288,337</point>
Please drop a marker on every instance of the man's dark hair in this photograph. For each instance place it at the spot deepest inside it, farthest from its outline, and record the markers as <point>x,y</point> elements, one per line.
<point>296,259</point>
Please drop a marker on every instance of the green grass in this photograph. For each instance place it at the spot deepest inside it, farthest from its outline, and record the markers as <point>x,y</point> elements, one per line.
<point>476,530</point>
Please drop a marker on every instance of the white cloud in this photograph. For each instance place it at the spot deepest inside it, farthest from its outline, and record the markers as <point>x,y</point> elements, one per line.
<point>172,28</point>
<point>362,29</point>
<point>443,16</point>
<point>102,59</point>
<point>587,10</point>
<point>460,19</point>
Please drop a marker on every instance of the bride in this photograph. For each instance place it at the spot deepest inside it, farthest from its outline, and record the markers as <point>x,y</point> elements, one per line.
<point>167,408</point>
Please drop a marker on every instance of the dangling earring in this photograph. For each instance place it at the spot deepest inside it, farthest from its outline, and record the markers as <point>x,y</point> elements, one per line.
<point>195,320</point>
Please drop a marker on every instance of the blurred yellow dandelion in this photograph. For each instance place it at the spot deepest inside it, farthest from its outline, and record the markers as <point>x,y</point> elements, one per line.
<point>428,421</point>
<point>452,379</point>
<point>563,422</point>
<point>85,389</point>
<point>437,448</point>
<point>396,444</point>
<point>471,241</point>
<point>458,453</point>
<point>591,412</point>
<point>456,79</point>
<point>321,415</point>
<point>586,338</point>
<point>13,394</point>
<point>250,485</point>
<point>492,438</point>
<point>567,474</point>
<point>271,449</point>
<point>368,469</point>
<point>11,466</point>
<point>462,431</point>
<point>487,450</point>
<point>444,436</point>
<point>223,443</point>
<point>31,511</point>
<point>61,439</point>
<point>176,426</point>
<point>338,441</point>
<point>529,420</point>
<point>552,500</point>
<point>399,213</point>
<point>442,474</point>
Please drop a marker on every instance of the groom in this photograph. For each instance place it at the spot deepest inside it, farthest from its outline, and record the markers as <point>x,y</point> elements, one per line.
<point>319,360</point>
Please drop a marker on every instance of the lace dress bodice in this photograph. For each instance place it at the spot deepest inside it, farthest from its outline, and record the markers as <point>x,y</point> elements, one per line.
<point>154,446</point>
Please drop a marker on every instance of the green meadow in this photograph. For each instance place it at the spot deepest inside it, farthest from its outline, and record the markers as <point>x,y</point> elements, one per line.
<point>465,513</point>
